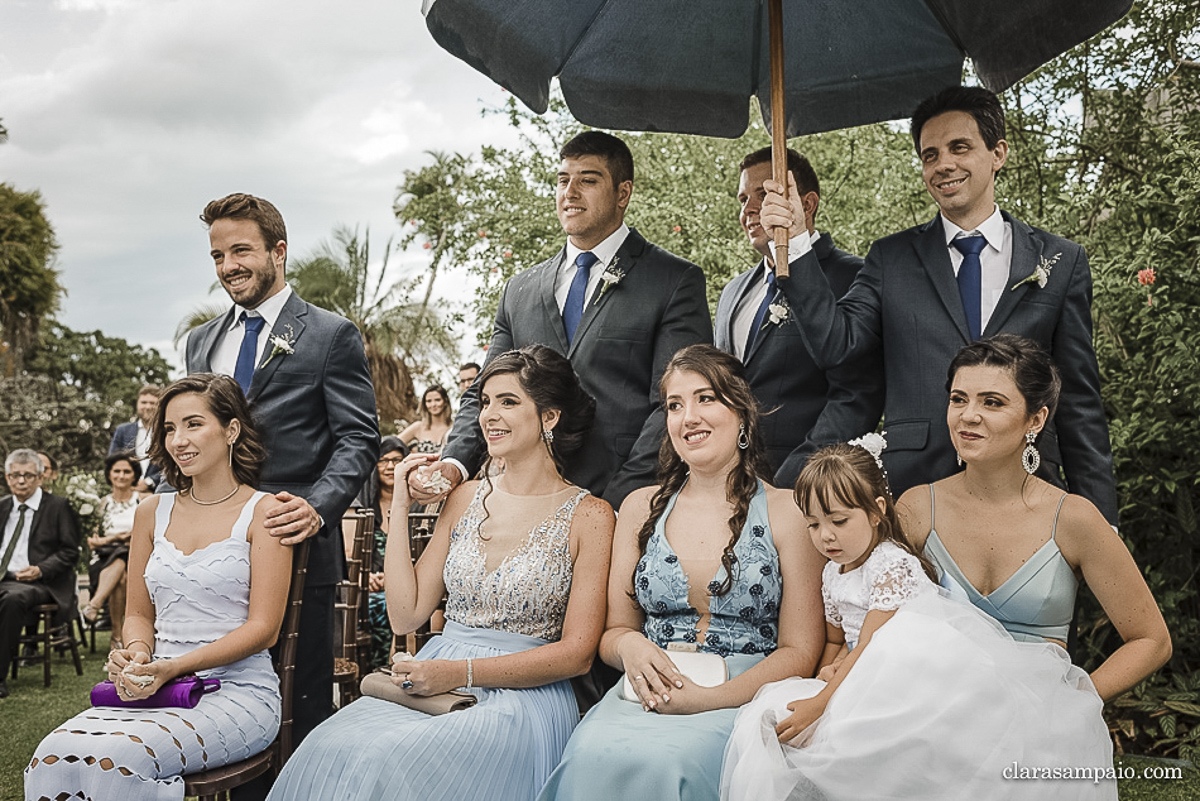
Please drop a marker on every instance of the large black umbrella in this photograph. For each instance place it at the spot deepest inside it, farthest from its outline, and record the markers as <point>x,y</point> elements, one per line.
<point>691,66</point>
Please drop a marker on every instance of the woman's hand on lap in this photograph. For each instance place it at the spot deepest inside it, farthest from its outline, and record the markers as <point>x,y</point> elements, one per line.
<point>652,673</point>
<point>161,671</point>
<point>688,699</point>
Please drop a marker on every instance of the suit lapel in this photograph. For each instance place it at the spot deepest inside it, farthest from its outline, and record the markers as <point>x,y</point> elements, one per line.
<point>935,257</point>
<point>1025,253</point>
<point>741,288</point>
<point>290,326</point>
<point>546,280</point>
<point>212,335</point>
<point>624,262</point>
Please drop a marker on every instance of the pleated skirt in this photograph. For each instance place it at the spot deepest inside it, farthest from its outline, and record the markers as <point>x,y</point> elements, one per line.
<point>502,748</point>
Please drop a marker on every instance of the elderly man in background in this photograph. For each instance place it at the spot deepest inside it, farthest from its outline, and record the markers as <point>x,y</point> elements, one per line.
<point>38,552</point>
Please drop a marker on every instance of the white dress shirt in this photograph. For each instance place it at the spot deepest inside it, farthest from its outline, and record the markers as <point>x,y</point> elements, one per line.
<point>994,260</point>
<point>225,356</point>
<point>605,252</point>
<point>20,557</point>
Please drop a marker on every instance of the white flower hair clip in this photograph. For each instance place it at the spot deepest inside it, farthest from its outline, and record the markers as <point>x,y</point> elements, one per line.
<point>873,444</point>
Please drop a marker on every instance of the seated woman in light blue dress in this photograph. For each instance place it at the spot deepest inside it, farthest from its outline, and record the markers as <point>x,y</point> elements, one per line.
<point>940,698</point>
<point>711,560</point>
<point>207,588</point>
<point>523,561</point>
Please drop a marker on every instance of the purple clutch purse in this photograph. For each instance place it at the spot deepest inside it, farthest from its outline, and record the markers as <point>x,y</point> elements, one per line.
<point>184,691</point>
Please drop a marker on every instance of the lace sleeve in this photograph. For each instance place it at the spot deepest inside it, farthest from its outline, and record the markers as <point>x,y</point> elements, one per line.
<point>896,580</point>
<point>831,610</point>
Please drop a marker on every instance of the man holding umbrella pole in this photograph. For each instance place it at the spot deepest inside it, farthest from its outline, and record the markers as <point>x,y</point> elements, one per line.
<point>971,272</point>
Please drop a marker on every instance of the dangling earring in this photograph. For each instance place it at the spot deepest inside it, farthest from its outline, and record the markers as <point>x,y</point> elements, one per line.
<point>548,435</point>
<point>743,440</point>
<point>231,452</point>
<point>958,458</point>
<point>1030,458</point>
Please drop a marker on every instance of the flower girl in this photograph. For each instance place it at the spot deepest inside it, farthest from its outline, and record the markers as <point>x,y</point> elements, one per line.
<point>918,695</point>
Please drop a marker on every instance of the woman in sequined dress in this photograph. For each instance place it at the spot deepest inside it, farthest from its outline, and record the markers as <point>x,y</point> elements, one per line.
<point>523,560</point>
<point>711,560</point>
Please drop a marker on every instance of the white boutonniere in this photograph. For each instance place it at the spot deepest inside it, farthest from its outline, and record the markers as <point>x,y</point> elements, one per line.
<point>281,343</point>
<point>777,313</point>
<point>1041,273</point>
<point>611,276</point>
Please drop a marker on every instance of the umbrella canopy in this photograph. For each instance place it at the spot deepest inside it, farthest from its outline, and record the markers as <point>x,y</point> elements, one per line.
<point>691,66</point>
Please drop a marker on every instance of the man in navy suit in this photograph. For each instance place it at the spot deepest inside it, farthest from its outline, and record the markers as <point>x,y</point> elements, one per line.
<point>39,548</point>
<point>134,437</point>
<point>805,406</point>
<point>617,306</point>
<point>971,272</point>
<point>305,374</point>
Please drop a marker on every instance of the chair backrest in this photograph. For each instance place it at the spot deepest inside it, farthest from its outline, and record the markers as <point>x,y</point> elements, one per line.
<point>420,531</point>
<point>357,526</point>
<point>285,662</point>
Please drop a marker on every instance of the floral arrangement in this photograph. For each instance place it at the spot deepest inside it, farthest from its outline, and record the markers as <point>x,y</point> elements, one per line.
<point>83,492</point>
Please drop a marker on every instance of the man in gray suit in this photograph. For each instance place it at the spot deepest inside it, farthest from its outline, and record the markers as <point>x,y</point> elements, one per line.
<point>617,306</point>
<point>305,374</point>
<point>971,272</point>
<point>805,406</point>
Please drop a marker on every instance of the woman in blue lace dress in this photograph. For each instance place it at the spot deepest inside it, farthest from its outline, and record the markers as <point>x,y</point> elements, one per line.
<point>522,560</point>
<point>712,560</point>
<point>207,592</point>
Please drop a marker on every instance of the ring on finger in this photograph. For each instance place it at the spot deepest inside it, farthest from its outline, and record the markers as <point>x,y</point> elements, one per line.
<point>639,677</point>
<point>406,685</point>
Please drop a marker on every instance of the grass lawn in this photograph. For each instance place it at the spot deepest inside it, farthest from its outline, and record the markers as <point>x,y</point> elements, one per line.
<point>32,711</point>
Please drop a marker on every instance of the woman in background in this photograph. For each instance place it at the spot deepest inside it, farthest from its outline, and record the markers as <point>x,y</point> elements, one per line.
<point>428,434</point>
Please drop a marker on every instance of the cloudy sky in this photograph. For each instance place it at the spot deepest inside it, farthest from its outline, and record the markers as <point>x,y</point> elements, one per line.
<point>130,115</point>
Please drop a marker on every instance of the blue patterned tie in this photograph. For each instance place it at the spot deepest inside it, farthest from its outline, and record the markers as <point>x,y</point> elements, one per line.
<point>243,373</point>
<point>573,309</point>
<point>761,314</point>
<point>970,280</point>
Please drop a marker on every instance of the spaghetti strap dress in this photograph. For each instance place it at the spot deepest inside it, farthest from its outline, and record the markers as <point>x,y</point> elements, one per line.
<point>141,754</point>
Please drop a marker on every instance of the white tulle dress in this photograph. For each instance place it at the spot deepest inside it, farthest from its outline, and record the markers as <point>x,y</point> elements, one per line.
<point>942,704</point>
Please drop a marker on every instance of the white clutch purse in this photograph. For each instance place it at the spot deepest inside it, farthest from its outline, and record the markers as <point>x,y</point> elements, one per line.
<point>706,670</point>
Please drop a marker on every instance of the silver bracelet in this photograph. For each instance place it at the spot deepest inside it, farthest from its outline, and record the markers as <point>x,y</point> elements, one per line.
<point>470,674</point>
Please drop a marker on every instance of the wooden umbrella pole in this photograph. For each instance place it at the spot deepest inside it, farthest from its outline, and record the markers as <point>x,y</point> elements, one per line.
<point>778,126</point>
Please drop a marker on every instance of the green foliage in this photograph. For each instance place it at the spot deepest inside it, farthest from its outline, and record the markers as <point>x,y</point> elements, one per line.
<point>45,415</point>
<point>29,286</point>
<point>100,366</point>
<point>77,389</point>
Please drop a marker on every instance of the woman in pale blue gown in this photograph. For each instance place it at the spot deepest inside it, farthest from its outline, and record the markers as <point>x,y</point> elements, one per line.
<point>523,560</point>
<point>712,560</point>
<point>207,588</point>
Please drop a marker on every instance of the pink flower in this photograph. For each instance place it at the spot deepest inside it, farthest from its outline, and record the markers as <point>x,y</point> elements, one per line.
<point>677,228</point>
<point>483,234</point>
<point>1146,277</point>
<point>427,245</point>
<point>508,254</point>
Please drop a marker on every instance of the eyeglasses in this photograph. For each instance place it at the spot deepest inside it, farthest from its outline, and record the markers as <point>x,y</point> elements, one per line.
<point>391,461</point>
<point>24,476</point>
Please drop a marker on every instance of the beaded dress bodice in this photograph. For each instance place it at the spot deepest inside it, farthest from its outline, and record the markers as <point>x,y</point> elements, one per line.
<point>527,592</point>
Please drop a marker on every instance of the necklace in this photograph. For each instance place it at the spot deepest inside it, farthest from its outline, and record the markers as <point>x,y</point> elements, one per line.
<point>236,487</point>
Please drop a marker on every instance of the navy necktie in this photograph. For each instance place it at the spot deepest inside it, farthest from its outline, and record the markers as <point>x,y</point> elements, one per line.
<point>577,295</point>
<point>761,314</point>
<point>243,373</point>
<point>970,280</point>
<point>12,545</point>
